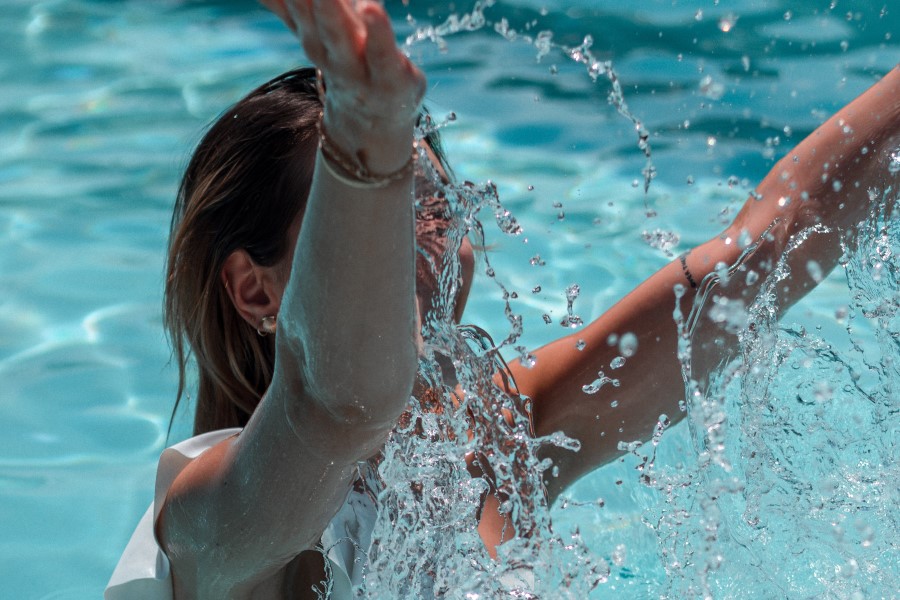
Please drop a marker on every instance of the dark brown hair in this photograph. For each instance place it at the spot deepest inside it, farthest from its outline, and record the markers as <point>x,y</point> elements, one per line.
<point>246,182</point>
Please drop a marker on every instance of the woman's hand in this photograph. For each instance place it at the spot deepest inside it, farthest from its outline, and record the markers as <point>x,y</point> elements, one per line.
<point>825,182</point>
<point>373,90</point>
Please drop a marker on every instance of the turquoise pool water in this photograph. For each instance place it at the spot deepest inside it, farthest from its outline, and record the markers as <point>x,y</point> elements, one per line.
<point>102,100</point>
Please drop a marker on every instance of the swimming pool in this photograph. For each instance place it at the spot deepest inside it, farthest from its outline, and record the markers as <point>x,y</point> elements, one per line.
<point>101,102</point>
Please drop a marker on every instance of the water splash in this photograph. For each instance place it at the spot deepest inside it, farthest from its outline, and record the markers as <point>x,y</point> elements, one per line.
<point>791,492</point>
<point>542,41</point>
<point>466,418</point>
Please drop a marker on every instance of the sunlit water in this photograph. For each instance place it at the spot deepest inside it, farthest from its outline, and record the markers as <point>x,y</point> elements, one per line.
<point>101,101</point>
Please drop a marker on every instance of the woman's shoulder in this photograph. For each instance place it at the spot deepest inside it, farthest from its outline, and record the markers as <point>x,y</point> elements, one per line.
<point>143,569</point>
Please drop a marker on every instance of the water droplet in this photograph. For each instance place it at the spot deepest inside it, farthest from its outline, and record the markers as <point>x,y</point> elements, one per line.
<point>618,555</point>
<point>537,261</point>
<point>617,363</point>
<point>571,321</point>
<point>711,89</point>
<point>823,391</point>
<point>814,270</point>
<point>547,318</point>
<point>752,277</point>
<point>507,222</point>
<point>722,273</point>
<point>614,404</point>
<point>528,360</point>
<point>536,289</point>
<point>894,164</point>
<point>612,340</point>
<point>580,345</point>
<point>628,345</point>
<point>602,379</point>
<point>690,180</point>
<point>727,22</point>
<point>662,240</point>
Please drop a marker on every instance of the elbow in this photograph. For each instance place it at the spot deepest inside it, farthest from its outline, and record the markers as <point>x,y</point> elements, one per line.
<point>362,391</point>
<point>369,399</point>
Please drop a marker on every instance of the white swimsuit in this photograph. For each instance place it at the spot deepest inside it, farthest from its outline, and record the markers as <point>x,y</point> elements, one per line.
<point>143,570</point>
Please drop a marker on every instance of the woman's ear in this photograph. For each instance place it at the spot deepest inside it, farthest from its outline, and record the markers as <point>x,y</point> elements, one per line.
<point>255,291</point>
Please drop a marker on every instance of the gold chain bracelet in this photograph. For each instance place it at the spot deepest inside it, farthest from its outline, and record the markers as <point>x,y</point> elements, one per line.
<point>352,172</point>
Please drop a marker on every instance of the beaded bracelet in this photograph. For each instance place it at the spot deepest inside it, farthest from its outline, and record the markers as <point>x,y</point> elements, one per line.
<point>352,172</point>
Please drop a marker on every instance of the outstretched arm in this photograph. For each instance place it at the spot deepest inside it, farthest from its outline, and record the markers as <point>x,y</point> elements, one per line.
<point>825,179</point>
<point>244,509</point>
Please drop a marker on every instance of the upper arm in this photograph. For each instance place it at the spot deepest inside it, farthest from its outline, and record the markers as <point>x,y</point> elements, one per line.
<point>247,506</point>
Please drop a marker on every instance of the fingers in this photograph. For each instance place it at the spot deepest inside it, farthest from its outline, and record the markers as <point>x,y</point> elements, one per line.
<point>340,29</point>
<point>384,59</point>
<point>330,30</point>
<point>337,35</point>
<point>381,48</point>
<point>300,13</point>
<point>353,43</point>
<point>278,7</point>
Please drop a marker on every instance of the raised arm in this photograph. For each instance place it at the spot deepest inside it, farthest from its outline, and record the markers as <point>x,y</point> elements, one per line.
<point>826,179</point>
<point>346,337</point>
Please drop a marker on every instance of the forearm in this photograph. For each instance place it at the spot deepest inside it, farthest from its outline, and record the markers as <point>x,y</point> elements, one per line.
<point>349,310</point>
<point>824,183</point>
<point>348,316</point>
<point>648,376</point>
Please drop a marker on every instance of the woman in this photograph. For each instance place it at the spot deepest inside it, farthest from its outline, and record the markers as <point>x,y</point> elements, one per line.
<point>292,230</point>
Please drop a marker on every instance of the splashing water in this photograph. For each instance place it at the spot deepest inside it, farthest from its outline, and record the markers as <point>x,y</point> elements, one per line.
<point>787,492</point>
<point>425,542</point>
<point>792,492</point>
<point>544,44</point>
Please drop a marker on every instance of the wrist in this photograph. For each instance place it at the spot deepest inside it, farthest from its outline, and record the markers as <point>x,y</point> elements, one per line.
<point>380,145</point>
<point>354,171</point>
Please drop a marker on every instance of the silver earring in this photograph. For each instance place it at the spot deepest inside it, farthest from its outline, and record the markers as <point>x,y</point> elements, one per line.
<point>267,325</point>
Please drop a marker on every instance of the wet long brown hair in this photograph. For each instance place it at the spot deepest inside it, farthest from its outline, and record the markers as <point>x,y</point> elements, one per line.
<point>246,182</point>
